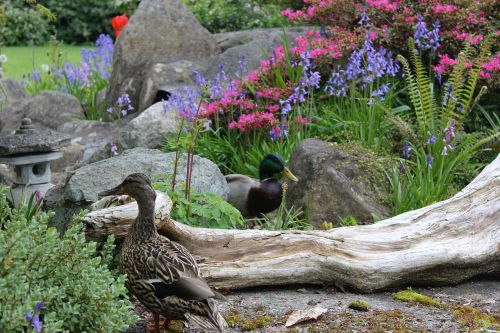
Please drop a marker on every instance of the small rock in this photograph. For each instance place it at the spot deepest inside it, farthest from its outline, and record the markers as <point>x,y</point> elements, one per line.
<point>149,128</point>
<point>359,306</point>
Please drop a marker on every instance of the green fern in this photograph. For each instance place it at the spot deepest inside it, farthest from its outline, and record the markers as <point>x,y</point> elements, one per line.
<point>425,88</point>
<point>414,93</point>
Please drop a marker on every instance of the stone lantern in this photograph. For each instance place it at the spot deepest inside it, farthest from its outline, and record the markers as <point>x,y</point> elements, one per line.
<point>30,152</point>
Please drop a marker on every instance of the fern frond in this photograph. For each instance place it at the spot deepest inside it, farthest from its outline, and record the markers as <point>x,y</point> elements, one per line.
<point>414,93</point>
<point>429,110</point>
<point>466,99</point>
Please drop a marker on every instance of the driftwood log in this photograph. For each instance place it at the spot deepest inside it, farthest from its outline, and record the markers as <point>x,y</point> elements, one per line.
<point>445,243</point>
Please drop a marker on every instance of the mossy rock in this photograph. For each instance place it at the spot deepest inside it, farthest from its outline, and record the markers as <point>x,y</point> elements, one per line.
<point>338,182</point>
<point>359,306</point>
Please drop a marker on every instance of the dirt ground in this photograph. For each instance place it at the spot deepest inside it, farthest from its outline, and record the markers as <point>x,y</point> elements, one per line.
<point>267,309</point>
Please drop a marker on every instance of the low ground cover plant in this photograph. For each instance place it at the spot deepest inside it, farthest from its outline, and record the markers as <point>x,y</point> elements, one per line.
<point>54,283</point>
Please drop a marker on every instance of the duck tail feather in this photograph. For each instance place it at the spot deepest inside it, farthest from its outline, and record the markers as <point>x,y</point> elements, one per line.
<point>208,324</point>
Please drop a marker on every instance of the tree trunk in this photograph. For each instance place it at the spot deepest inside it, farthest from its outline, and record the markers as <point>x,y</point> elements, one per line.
<point>445,243</point>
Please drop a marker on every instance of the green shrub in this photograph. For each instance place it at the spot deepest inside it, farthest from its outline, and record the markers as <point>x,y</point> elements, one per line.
<point>22,26</point>
<point>69,275</point>
<point>234,15</point>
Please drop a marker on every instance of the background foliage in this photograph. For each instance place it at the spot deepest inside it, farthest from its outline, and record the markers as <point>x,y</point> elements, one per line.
<point>21,25</point>
<point>69,275</point>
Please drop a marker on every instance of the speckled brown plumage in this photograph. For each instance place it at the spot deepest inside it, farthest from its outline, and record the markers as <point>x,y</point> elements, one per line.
<point>162,274</point>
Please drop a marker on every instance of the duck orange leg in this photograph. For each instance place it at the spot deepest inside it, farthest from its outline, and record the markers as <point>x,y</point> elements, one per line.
<point>156,327</point>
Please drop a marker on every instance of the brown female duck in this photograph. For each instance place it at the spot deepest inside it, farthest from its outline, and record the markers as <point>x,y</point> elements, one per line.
<point>162,274</point>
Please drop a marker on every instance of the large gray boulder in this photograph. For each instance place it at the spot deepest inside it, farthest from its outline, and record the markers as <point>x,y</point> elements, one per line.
<point>89,180</point>
<point>81,188</point>
<point>47,110</point>
<point>163,79</point>
<point>337,182</point>
<point>160,31</point>
<point>227,40</point>
<point>149,128</point>
<point>250,44</point>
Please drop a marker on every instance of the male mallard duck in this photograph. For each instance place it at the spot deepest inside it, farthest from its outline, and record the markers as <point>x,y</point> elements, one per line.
<point>253,197</point>
<point>161,273</point>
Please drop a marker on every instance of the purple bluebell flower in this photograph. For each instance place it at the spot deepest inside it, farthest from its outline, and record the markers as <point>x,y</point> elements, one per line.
<point>164,105</point>
<point>38,196</point>
<point>99,61</point>
<point>242,67</point>
<point>185,103</point>
<point>449,135</point>
<point>34,319</point>
<point>275,133</point>
<point>460,109</point>
<point>380,92</point>
<point>406,150</point>
<point>200,81</point>
<point>35,76</point>
<point>401,167</point>
<point>421,32</point>
<point>448,94</point>
<point>114,149</point>
<point>124,104</point>
<point>426,39</point>
<point>433,36</point>
<point>364,21</point>
<point>429,160</point>
<point>285,106</point>
<point>432,139</point>
<point>336,84</point>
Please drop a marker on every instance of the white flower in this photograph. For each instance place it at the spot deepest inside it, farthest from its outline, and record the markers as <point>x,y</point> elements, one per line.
<point>3,58</point>
<point>45,68</point>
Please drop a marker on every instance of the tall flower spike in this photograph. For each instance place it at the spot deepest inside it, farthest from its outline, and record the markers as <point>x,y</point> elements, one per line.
<point>406,150</point>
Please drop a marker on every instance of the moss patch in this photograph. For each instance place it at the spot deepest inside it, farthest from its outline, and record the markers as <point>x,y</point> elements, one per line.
<point>394,321</point>
<point>248,324</point>
<point>176,326</point>
<point>359,306</point>
<point>411,296</point>
<point>472,319</point>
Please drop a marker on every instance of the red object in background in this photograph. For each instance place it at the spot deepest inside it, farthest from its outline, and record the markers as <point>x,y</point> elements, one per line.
<point>118,23</point>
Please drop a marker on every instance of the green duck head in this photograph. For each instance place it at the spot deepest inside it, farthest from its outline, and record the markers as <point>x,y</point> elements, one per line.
<point>273,164</point>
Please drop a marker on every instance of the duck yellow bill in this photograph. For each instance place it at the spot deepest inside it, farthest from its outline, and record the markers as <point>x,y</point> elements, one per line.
<point>288,174</point>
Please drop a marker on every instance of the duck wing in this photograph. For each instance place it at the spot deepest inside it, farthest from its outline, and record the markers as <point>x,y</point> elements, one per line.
<point>239,189</point>
<point>176,274</point>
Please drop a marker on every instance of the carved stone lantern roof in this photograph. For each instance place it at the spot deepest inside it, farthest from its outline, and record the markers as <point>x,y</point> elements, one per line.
<point>27,140</point>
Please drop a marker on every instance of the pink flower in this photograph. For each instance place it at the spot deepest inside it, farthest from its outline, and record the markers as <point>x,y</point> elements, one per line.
<point>484,75</point>
<point>442,8</point>
<point>372,35</point>
<point>301,120</point>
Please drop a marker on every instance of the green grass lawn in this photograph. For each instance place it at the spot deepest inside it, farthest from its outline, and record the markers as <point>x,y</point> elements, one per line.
<point>23,59</point>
